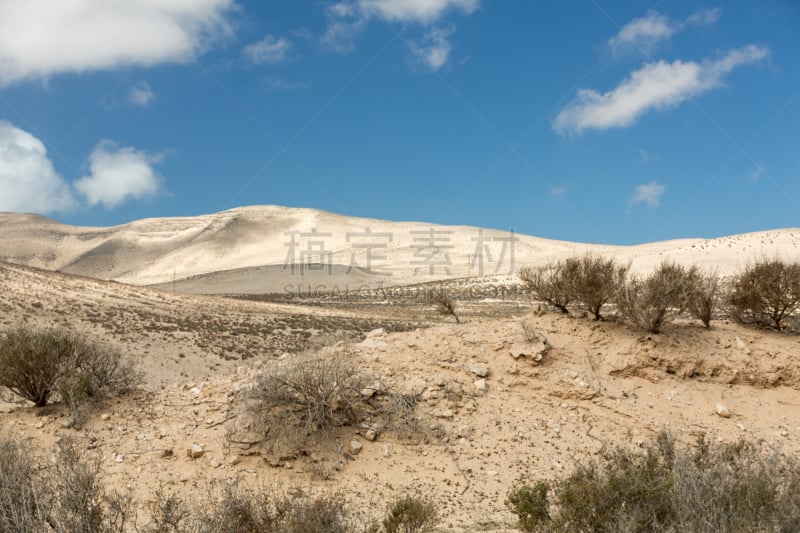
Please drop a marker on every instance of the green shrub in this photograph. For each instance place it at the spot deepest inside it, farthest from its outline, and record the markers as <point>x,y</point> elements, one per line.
<point>530,505</point>
<point>410,515</point>
<point>766,293</point>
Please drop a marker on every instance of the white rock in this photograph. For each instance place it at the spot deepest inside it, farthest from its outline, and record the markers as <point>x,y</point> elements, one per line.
<point>196,391</point>
<point>370,435</point>
<point>376,333</point>
<point>195,451</point>
<point>479,370</point>
<point>105,417</point>
<point>355,447</point>
<point>722,410</point>
<point>480,385</point>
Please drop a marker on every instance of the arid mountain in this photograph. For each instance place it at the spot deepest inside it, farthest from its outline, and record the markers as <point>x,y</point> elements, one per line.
<point>261,249</point>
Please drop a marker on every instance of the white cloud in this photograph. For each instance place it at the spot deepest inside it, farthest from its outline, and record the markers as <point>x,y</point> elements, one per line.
<point>40,38</point>
<point>558,192</point>
<point>649,193</point>
<point>268,50</point>
<point>117,174</point>
<point>28,181</point>
<point>659,85</point>
<point>645,156</point>
<point>644,33</point>
<point>423,11</point>
<point>141,95</point>
<point>348,18</point>
<point>435,50</point>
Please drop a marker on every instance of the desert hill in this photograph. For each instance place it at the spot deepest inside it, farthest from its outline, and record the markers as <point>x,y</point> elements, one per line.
<point>261,249</point>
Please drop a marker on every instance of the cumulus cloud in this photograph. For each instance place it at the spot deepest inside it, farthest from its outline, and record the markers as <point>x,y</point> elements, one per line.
<point>141,95</point>
<point>648,193</point>
<point>435,50</point>
<point>643,34</point>
<point>348,18</point>
<point>659,85</point>
<point>424,11</point>
<point>270,49</point>
<point>40,38</point>
<point>28,181</point>
<point>117,174</point>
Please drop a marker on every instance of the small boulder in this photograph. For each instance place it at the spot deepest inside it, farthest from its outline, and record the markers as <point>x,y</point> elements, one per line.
<point>195,451</point>
<point>481,370</point>
<point>722,410</point>
<point>370,435</point>
<point>480,385</point>
<point>355,447</point>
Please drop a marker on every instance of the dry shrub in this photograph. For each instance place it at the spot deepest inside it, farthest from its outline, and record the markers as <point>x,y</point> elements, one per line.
<point>766,293</point>
<point>65,497</point>
<point>549,283</point>
<point>36,363</point>
<point>594,280</point>
<point>443,303</point>
<point>236,510</point>
<point>703,294</point>
<point>727,488</point>
<point>308,394</point>
<point>652,301</point>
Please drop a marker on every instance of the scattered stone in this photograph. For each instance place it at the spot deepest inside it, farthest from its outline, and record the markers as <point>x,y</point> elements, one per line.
<point>387,450</point>
<point>195,451</point>
<point>215,464</point>
<point>534,350</point>
<point>480,385</point>
<point>481,370</point>
<point>167,453</point>
<point>196,391</point>
<point>722,410</point>
<point>119,458</point>
<point>235,460</point>
<point>444,413</point>
<point>355,447</point>
<point>105,417</point>
<point>371,435</point>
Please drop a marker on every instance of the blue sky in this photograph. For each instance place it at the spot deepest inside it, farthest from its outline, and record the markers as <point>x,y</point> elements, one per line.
<point>583,120</point>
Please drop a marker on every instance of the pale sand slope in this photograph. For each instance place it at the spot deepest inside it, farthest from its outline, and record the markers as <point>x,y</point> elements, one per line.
<point>245,250</point>
<point>603,384</point>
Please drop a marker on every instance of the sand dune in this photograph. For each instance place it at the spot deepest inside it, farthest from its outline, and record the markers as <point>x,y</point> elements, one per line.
<point>262,248</point>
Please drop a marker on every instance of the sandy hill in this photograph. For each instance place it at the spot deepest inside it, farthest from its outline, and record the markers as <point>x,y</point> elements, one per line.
<point>261,249</point>
<point>492,415</point>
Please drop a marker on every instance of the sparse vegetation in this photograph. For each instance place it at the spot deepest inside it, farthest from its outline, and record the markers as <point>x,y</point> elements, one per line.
<point>530,505</point>
<point>550,283</point>
<point>35,364</point>
<point>594,280</point>
<point>309,393</point>
<point>651,302</point>
<point>725,488</point>
<point>443,303</point>
<point>766,293</point>
<point>65,497</point>
<point>410,514</point>
<point>702,291</point>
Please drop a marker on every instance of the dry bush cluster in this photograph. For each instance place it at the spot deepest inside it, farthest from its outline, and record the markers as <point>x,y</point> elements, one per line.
<point>725,488</point>
<point>65,496</point>
<point>766,293</point>
<point>588,281</point>
<point>310,395</point>
<point>37,364</point>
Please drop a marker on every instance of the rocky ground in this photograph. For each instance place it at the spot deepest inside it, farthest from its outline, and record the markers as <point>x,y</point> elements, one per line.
<point>494,409</point>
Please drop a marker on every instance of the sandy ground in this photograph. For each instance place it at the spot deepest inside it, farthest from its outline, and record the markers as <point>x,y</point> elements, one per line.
<point>601,384</point>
